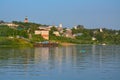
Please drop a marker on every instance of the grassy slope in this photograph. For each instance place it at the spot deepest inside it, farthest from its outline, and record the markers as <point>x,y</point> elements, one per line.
<point>14,42</point>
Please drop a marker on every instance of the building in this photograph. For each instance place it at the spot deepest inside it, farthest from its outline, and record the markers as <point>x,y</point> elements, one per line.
<point>68,33</point>
<point>45,28</point>
<point>43,31</point>
<point>75,27</point>
<point>10,24</point>
<point>101,30</point>
<point>56,33</point>
<point>26,20</point>
<point>78,34</point>
<point>60,28</point>
<point>93,38</point>
<point>60,25</point>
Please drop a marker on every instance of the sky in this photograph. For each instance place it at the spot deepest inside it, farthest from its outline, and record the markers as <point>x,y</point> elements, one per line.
<point>90,13</point>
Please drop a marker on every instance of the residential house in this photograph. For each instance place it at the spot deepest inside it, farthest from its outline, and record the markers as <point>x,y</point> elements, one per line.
<point>43,31</point>
<point>60,28</point>
<point>93,38</point>
<point>78,34</point>
<point>11,25</point>
<point>56,33</point>
<point>101,30</point>
<point>68,33</point>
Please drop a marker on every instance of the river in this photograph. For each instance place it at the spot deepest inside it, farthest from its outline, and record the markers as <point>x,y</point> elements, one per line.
<point>76,62</point>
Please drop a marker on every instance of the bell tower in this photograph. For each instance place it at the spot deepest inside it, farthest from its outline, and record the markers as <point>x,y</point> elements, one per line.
<point>26,20</point>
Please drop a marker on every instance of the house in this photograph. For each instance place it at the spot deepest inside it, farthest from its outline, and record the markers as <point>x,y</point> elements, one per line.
<point>93,38</point>
<point>68,33</point>
<point>78,34</point>
<point>60,28</point>
<point>43,31</point>
<point>44,28</point>
<point>10,24</point>
<point>56,33</point>
<point>101,30</point>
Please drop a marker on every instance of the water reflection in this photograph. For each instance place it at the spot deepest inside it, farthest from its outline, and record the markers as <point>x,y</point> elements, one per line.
<point>41,54</point>
<point>58,63</point>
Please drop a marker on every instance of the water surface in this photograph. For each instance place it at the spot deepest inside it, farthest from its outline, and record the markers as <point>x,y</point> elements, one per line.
<point>79,62</point>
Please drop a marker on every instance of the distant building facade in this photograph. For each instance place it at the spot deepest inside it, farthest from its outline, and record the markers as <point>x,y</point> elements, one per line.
<point>60,28</point>
<point>60,25</point>
<point>68,33</point>
<point>56,33</point>
<point>11,25</point>
<point>26,20</point>
<point>93,38</point>
<point>101,30</point>
<point>78,34</point>
<point>43,31</point>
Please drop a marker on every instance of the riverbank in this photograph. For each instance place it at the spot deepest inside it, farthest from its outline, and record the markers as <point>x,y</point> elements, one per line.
<point>18,42</point>
<point>14,42</point>
<point>66,44</point>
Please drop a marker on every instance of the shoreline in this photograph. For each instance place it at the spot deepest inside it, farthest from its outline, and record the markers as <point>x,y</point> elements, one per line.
<point>67,44</point>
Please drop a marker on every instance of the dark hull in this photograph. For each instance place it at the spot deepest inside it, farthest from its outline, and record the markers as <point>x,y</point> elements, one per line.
<point>46,45</point>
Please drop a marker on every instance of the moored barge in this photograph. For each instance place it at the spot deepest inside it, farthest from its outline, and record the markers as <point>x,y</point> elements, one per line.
<point>46,44</point>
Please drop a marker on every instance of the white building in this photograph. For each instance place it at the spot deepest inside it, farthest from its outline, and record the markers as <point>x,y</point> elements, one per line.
<point>101,30</point>
<point>68,33</point>
<point>93,38</point>
<point>75,27</point>
<point>56,33</point>
<point>10,24</point>
<point>60,25</point>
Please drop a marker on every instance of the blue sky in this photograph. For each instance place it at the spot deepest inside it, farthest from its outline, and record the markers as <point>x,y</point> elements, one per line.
<point>90,13</point>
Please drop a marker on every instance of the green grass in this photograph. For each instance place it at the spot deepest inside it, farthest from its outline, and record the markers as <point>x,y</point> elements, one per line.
<point>14,42</point>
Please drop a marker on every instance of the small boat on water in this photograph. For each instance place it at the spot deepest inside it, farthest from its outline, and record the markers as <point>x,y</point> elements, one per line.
<point>103,44</point>
<point>46,44</point>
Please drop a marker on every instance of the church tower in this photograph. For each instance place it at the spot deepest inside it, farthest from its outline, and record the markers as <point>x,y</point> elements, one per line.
<point>26,20</point>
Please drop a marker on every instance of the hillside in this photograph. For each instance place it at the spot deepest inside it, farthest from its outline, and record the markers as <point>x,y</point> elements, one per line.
<point>24,35</point>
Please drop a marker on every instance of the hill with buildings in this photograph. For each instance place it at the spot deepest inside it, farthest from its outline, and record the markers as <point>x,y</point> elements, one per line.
<point>29,33</point>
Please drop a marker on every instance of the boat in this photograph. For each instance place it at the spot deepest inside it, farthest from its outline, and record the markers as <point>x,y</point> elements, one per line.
<point>103,44</point>
<point>46,44</point>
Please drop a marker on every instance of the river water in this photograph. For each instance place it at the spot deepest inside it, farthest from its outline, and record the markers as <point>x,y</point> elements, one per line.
<point>78,62</point>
